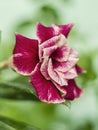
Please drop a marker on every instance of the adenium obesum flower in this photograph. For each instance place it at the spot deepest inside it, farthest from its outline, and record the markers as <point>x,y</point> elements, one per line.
<point>50,62</point>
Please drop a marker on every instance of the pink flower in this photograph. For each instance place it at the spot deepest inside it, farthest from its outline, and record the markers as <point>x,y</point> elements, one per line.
<point>50,62</point>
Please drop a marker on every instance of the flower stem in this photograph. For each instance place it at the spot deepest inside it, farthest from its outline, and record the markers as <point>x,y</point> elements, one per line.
<point>4,65</point>
<point>7,64</point>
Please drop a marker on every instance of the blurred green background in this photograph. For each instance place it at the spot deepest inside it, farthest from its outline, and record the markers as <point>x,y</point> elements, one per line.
<point>16,100</point>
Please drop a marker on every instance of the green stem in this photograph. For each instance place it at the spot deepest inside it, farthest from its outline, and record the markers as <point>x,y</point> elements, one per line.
<point>4,65</point>
<point>7,64</point>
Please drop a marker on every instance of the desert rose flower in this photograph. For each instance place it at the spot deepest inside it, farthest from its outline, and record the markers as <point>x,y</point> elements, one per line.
<point>50,62</point>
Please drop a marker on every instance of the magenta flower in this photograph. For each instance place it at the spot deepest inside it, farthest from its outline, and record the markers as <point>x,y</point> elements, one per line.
<point>50,62</point>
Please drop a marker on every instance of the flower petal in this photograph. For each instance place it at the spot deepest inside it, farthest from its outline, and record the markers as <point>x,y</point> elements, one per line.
<point>48,51</point>
<point>65,66</point>
<point>46,90</point>
<point>44,68</point>
<point>71,74</point>
<point>56,45</point>
<point>79,69</point>
<point>64,29</point>
<point>63,51</point>
<point>47,44</point>
<point>60,88</point>
<point>44,33</point>
<point>72,91</point>
<point>55,76</point>
<point>25,54</point>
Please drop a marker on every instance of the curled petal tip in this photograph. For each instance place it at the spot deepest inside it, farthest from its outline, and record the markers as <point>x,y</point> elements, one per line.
<point>84,71</point>
<point>38,23</point>
<point>80,70</point>
<point>17,34</point>
<point>70,25</point>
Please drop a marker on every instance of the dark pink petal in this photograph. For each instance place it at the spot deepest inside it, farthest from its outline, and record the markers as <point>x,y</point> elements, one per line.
<point>79,69</point>
<point>65,29</point>
<point>46,90</point>
<point>72,91</point>
<point>55,76</point>
<point>25,54</point>
<point>47,44</point>
<point>60,88</point>
<point>44,33</point>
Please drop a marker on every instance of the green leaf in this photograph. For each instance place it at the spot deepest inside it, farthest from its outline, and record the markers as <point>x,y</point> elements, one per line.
<point>86,62</point>
<point>18,91</point>
<point>4,126</point>
<point>9,124</point>
<point>67,103</point>
<point>45,14</point>
<point>48,15</point>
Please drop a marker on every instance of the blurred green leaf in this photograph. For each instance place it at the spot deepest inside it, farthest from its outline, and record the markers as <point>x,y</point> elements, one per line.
<point>18,91</point>
<point>46,14</point>
<point>86,126</point>
<point>9,124</point>
<point>4,126</point>
<point>25,25</point>
<point>67,103</point>
<point>87,63</point>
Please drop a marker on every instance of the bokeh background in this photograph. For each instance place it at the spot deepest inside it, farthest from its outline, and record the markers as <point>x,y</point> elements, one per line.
<point>17,104</point>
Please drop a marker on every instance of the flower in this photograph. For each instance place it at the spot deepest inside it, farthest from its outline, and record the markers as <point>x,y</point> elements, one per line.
<point>50,62</point>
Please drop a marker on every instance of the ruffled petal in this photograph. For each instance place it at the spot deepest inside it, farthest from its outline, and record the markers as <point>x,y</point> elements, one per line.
<point>25,54</point>
<point>62,52</point>
<point>55,76</point>
<point>66,65</point>
<point>59,48</point>
<point>48,51</point>
<point>60,88</point>
<point>73,54</point>
<point>71,74</point>
<point>44,68</point>
<point>50,45</point>
<point>46,90</point>
<point>44,33</point>
<point>72,91</point>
